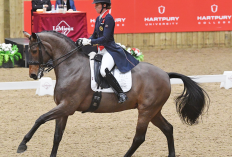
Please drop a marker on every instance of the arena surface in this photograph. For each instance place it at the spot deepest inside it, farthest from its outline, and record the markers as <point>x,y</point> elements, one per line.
<point>101,135</point>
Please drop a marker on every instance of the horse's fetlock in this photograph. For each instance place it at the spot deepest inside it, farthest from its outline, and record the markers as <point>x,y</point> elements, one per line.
<point>25,139</point>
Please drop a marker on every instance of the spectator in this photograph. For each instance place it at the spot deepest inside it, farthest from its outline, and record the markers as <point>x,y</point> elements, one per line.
<point>38,4</point>
<point>70,4</point>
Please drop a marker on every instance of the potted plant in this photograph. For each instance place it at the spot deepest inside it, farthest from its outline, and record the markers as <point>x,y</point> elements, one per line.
<point>8,55</point>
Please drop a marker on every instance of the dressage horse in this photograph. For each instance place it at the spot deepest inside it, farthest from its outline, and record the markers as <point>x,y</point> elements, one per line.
<point>150,90</point>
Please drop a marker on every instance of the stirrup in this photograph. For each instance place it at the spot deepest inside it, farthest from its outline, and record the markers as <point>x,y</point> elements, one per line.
<point>122,98</point>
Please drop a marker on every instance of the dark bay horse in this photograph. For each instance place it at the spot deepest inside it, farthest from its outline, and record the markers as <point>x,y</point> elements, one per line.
<point>151,89</point>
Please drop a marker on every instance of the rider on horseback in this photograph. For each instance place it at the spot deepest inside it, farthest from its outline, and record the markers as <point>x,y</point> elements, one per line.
<point>103,37</point>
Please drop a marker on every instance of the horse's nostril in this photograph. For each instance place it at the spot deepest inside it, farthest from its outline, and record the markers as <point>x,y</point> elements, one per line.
<point>34,76</point>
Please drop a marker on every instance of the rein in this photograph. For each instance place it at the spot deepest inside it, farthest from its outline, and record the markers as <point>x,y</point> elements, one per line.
<point>47,65</point>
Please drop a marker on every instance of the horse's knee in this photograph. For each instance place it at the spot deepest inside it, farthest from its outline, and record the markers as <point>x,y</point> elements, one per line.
<point>40,120</point>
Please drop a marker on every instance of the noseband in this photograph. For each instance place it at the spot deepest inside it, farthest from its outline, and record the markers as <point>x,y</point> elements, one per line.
<point>49,67</point>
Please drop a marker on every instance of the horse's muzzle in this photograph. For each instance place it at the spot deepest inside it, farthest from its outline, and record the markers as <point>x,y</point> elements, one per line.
<point>34,76</point>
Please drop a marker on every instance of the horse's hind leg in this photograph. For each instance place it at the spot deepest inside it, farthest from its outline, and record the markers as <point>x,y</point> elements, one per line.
<point>141,129</point>
<point>60,126</point>
<point>167,129</point>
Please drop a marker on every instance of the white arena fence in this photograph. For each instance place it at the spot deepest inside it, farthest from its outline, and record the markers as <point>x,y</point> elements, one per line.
<point>45,86</point>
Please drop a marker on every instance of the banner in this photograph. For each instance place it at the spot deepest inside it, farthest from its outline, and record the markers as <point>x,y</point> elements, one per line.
<point>182,15</point>
<point>149,16</point>
<point>72,25</point>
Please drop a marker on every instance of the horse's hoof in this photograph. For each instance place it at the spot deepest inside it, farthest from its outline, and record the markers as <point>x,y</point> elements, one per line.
<point>22,148</point>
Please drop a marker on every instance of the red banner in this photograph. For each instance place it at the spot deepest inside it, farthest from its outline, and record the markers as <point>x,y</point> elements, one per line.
<point>145,16</point>
<point>182,15</point>
<point>73,25</point>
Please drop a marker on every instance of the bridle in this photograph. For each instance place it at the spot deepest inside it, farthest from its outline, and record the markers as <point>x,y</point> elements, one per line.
<point>42,66</point>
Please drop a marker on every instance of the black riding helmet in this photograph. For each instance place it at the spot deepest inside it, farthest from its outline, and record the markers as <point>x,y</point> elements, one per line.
<point>107,2</point>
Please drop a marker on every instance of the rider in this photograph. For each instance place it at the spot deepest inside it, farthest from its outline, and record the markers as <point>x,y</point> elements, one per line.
<point>103,37</point>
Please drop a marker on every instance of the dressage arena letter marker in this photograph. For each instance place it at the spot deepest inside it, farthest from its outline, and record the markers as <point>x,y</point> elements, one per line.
<point>227,84</point>
<point>46,87</point>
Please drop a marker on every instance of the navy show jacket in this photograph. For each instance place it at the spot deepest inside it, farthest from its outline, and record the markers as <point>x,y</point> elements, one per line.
<point>103,35</point>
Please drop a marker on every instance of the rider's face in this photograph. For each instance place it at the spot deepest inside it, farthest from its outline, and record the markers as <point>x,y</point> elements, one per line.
<point>98,7</point>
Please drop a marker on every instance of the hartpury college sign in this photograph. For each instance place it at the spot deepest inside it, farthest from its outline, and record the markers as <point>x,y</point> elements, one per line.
<point>136,16</point>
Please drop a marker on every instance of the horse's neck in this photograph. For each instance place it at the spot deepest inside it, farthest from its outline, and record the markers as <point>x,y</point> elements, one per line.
<point>74,65</point>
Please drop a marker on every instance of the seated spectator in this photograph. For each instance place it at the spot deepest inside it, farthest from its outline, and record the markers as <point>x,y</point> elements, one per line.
<point>70,4</point>
<point>38,4</point>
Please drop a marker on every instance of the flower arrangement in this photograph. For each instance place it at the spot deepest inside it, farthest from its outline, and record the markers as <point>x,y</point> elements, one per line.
<point>135,52</point>
<point>9,53</point>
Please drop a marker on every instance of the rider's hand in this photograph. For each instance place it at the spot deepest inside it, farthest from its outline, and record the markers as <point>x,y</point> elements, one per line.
<point>86,41</point>
<point>79,41</point>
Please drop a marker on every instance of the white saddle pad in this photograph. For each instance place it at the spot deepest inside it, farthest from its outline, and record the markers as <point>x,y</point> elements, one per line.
<point>124,79</point>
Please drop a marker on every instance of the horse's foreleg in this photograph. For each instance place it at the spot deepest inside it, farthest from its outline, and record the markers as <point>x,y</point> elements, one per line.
<point>139,137</point>
<point>167,129</point>
<point>57,112</point>
<point>60,126</point>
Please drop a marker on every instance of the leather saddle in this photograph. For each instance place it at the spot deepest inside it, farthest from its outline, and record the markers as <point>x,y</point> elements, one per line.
<point>102,83</point>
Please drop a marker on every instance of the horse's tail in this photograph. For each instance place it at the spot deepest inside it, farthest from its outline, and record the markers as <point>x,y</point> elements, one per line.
<point>191,103</point>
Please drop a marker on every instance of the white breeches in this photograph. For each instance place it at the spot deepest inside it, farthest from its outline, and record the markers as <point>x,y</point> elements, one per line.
<point>107,61</point>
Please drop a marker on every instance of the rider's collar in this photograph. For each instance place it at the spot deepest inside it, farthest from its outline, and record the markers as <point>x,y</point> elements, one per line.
<point>102,14</point>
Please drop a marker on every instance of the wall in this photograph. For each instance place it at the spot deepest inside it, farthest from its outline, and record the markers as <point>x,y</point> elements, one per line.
<point>1,21</point>
<point>11,11</point>
<point>12,26</point>
<point>150,41</point>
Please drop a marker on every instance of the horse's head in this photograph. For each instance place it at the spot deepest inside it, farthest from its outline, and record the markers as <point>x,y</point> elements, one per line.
<point>39,52</point>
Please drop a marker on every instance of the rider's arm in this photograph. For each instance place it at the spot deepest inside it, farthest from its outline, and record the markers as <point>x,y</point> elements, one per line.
<point>49,6</point>
<point>35,6</point>
<point>107,32</point>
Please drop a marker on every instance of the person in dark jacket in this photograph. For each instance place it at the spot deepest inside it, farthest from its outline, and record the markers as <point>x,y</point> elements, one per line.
<point>103,36</point>
<point>70,4</point>
<point>38,4</point>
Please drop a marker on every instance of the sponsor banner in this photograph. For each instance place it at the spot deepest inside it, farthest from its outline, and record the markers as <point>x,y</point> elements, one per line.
<point>144,16</point>
<point>122,11</point>
<point>182,15</point>
<point>72,25</point>
<point>216,15</point>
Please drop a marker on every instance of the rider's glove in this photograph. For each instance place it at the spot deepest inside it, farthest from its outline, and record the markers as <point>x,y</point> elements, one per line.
<point>79,41</point>
<point>86,41</point>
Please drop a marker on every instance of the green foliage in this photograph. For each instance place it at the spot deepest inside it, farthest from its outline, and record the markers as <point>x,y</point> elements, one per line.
<point>10,55</point>
<point>1,59</point>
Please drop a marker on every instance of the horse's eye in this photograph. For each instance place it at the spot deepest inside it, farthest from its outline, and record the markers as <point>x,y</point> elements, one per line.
<point>34,51</point>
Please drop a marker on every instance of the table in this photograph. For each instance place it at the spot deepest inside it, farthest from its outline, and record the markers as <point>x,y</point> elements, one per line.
<point>22,44</point>
<point>73,25</point>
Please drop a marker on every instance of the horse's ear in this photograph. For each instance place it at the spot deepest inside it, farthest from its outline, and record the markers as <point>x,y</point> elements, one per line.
<point>27,35</point>
<point>34,36</point>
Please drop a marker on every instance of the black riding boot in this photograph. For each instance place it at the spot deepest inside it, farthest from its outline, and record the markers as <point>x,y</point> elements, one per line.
<point>115,86</point>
